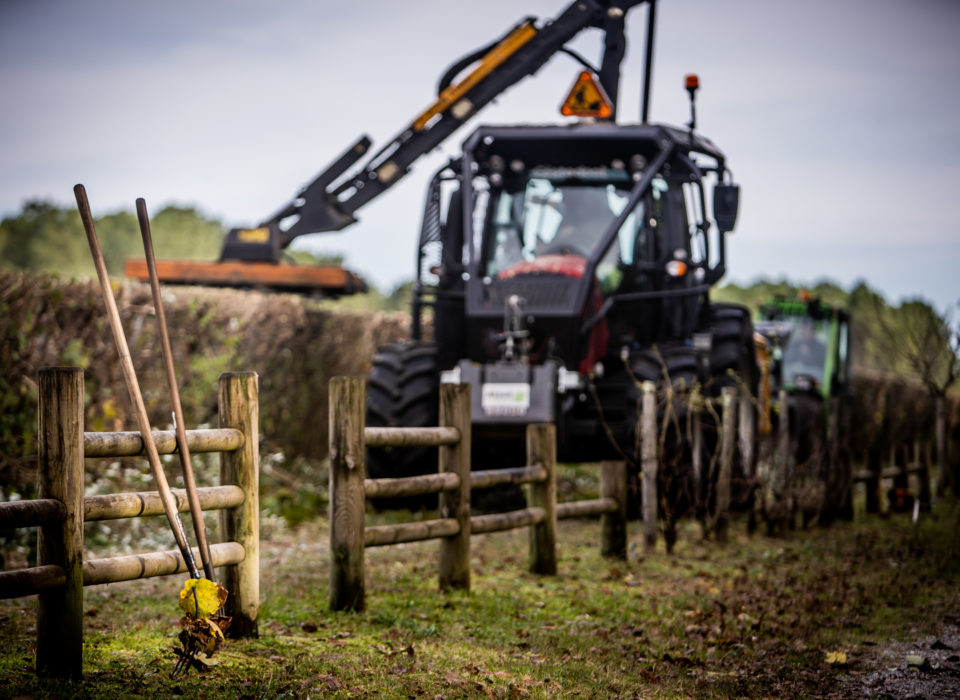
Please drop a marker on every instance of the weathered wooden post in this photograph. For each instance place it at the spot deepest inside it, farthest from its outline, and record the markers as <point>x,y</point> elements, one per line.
<point>843,459</point>
<point>728,399</point>
<point>943,466</point>
<point>901,471</point>
<point>613,525</point>
<point>648,464</point>
<point>781,491</point>
<point>60,474</point>
<point>923,476</point>
<point>455,550</point>
<point>696,428</point>
<point>874,482</point>
<point>746,433</point>
<point>542,450</point>
<point>347,499</point>
<point>834,496</point>
<point>746,443</point>
<point>239,407</point>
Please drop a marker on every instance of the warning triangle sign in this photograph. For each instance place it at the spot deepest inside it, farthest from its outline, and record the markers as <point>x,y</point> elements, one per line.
<point>587,99</point>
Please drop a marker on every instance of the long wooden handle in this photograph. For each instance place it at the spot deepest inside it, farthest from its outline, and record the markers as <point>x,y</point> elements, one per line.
<point>133,387</point>
<point>196,512</point>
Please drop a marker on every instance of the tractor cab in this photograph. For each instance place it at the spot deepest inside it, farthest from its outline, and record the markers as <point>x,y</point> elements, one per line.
<point>811,346</point>
<point>557,249</point>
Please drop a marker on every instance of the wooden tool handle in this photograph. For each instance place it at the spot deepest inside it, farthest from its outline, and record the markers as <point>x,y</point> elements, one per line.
<point>133,387</point>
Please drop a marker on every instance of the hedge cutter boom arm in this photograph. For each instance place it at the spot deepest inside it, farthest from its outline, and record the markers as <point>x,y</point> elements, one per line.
<point>330,201</point>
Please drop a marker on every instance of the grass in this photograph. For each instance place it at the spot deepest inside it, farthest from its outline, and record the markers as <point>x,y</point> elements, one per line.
<point>755,617</point>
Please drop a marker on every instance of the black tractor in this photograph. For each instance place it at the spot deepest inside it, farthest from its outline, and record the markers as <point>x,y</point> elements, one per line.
<point>564,266</point>
<point>559,267</point>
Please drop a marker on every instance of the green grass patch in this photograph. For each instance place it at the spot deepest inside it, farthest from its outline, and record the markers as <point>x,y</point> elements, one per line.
<point>753,618</point>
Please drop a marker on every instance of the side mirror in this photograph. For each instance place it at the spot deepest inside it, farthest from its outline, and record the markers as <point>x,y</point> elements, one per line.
<point>726,201</point>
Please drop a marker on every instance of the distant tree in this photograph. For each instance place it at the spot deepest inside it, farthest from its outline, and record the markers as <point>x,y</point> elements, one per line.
<point>870,346</point>
<point>184,233</point>
<point>48,238</point>
<point>922,343</point>
<point>764,291</point>
<point>927,344</point>
<point>44,237</point>
<point>119,236</point>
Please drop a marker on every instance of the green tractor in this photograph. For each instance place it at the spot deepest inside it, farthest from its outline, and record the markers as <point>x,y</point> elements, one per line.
<point>808,379</point>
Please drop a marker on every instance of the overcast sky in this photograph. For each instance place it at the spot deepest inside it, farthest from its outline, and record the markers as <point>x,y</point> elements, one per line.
<point>840,119</point>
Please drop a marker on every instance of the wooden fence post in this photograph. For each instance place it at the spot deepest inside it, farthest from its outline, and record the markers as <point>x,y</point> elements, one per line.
<point>873,484</point>
<point>648,459</point>
<point>923,477</point>
<point>455,550</point>
<point>943,466</point>
<point>728,398</point>
<point>239,408</point>
<point>613,526</point>
<point>696,427</point>
<point>347,500</point>
<point>835,495</point>
<point>901,477</point>
<point>60,457</point>
<point>542,449</point>
<point>747,443</point>
<point>746,433</point>
<point>782,490</point>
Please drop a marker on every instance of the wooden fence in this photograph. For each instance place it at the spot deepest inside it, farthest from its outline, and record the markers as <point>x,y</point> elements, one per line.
<point>887,469</point>
<point>874,475</point>
<point>349,489</point>
<point>61,510</point>
<point>735,433</point>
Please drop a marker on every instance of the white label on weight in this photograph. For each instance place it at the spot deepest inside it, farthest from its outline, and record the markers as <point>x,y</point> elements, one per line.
<point>505,399</point>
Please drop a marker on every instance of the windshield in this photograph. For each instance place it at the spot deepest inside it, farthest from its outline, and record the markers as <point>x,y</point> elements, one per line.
<point>550,213</point>
<point>806,351</point>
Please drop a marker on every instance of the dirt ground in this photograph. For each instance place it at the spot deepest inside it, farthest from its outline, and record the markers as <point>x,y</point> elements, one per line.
<point>919,667</point>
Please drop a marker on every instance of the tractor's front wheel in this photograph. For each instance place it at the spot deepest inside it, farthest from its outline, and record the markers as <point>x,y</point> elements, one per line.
<point>403,392</point>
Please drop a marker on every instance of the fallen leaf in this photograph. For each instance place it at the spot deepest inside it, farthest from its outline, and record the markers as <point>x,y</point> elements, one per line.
<point>836,658</point>
<point>201,597</point>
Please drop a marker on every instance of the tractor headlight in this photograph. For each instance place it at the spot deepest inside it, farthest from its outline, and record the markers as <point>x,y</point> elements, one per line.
<point>676,268</point>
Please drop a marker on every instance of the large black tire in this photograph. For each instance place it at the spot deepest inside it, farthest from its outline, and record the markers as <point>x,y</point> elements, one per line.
<point>676,367</point>
<point>403,392</point>
<point>733,363</point>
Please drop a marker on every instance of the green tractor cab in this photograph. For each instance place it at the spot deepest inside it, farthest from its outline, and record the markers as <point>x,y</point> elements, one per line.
<point>810,346</point>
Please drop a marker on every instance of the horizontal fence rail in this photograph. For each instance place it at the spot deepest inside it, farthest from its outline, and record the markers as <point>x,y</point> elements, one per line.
<point>498,522</point>
<point>33,580</point>
<point>890,472</point>
<point>379,535</point>
<point>130,444</point>
<point>583,509</point>
<point>486,479</point>
<point>42,511</point>
<point>411,437</point>
<point>129,567</point>
<point>30,581</point>
<point>421,485</point>
<point>134,505</point>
